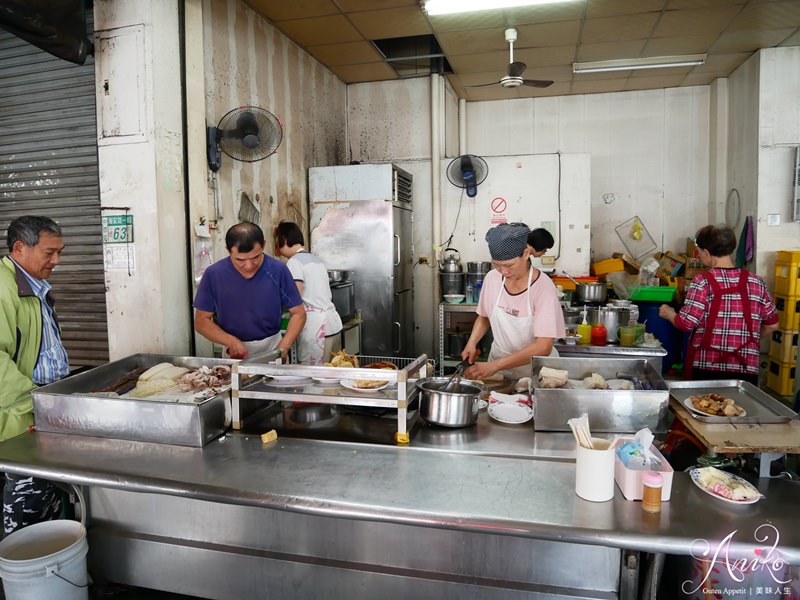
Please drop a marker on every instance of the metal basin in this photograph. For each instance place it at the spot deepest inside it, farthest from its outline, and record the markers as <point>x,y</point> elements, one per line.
<point>457,408</point>
<point>337,276</point>
<point>591,292</point>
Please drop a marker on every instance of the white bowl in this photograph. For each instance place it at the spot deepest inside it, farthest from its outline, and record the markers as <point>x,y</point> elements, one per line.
<point>572,339</point>
<point>454,298</point>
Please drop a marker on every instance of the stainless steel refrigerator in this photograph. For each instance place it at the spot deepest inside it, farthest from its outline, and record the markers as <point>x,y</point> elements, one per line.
<point>361,220</point>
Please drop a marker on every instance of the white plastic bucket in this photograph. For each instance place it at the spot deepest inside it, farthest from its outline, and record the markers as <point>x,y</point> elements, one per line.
<point>45,561</point>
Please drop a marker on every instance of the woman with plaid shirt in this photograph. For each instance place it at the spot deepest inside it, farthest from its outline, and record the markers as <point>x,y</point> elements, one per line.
<point>727,309</point>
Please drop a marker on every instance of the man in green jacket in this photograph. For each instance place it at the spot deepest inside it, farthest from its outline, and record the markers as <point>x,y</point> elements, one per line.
<point>31,354</point>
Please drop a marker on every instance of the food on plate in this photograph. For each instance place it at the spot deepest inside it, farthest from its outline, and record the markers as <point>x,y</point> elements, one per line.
<point>552,378</point>
<point>714,404</point>
<point>726,485</point>
<point>368,384</point>
<point>342,359</point>
<point>595,382</point>
<point>384,364</point>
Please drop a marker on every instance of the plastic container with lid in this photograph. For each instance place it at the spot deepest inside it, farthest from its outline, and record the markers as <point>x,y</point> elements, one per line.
<point>652,482</point>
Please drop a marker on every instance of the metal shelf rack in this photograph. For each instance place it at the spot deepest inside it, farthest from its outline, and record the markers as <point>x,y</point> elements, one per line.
<point>397,395</point>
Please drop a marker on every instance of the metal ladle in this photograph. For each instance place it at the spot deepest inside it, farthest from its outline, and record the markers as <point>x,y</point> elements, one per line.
<point>570,277</point>
<point>456,376</point>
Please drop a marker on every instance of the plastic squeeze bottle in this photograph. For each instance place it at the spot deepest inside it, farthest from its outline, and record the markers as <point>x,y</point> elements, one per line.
<point>599,335</point>
<point>585,331</point>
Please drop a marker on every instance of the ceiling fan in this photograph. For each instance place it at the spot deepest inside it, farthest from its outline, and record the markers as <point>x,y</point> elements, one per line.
<point>516,69</point>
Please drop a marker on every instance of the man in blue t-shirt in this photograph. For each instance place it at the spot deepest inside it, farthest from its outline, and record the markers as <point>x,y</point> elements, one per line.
<point>240,299</point>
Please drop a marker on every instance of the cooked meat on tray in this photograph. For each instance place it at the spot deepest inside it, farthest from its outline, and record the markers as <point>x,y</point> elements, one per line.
<point>714,404</point>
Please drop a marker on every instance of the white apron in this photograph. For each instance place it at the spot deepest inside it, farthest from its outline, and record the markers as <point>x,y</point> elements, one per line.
<point>311,344</point>
<point>258,346</point>
<point>512,333</point>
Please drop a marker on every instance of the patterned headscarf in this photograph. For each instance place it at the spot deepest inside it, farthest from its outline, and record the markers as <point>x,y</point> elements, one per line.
<point>507,241</point>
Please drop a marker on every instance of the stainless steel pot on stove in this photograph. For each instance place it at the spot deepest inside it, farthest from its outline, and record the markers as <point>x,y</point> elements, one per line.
<point>337,276</point>
<point>589,292</point>
<point>456,408</point>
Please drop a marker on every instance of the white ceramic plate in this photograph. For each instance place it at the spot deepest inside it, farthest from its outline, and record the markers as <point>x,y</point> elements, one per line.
<point>326,380</point>
<point>287,380</point>
<point>512,413</point>
<point>695,475</point>
<point>348,383</point>
<point>482,404</point>
<point>687,402</point>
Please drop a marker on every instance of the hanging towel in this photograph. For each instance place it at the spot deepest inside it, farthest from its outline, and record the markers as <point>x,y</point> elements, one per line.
<point>749,250</point>
<point>744,251</point>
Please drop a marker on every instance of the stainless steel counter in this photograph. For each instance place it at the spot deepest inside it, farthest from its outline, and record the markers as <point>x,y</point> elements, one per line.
<point>487,512</point>
<point>468,484</point>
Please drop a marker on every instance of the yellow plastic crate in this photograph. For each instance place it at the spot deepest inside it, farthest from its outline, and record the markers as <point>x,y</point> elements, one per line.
<point>788,312</point>
<point>787,273</point>
<point>780,377</point>
<point>783,346</point>
<point>610,265</point>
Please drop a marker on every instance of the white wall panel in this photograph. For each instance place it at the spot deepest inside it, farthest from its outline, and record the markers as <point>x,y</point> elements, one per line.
<point>545,125</point>
<point>643,161</point>
<point>533,194</point>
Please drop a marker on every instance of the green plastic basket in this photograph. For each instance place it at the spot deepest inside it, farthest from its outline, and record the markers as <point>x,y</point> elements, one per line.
<point>654,294</point>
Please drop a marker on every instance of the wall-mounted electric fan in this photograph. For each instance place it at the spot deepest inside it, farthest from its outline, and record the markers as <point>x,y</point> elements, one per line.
<point>247,133</point>
<point>468,172</point>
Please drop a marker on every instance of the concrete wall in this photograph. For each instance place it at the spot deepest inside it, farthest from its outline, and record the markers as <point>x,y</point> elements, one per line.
<point>233,58</point>
<point>141,171</point>
<point>778,138</point>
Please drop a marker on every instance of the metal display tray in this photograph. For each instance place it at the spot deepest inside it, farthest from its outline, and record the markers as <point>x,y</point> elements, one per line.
<point>761,408</point>
<point>69,406</point>
<point>613,411</point>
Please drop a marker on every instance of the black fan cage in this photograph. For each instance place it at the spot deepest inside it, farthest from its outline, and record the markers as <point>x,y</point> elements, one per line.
<point>467,163</point>
<point>249,133</point>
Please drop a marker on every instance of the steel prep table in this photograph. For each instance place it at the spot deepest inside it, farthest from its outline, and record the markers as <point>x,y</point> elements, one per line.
<point>482,512</point>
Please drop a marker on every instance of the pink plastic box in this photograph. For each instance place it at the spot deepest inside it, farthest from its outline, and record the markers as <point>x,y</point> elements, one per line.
<point>630,480</point>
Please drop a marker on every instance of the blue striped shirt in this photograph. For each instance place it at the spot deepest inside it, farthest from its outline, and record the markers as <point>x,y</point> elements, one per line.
<point>52,363</point>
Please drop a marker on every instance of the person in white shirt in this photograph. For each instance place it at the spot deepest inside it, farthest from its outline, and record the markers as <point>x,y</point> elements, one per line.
<point>320,336</point>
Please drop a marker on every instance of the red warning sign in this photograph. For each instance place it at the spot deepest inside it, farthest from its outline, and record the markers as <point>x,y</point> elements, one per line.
<point>499,206</point>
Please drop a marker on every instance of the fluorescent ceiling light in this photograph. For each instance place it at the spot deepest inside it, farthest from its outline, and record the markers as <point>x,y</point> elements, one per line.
<point>446,7</point>
<point>654,62</point>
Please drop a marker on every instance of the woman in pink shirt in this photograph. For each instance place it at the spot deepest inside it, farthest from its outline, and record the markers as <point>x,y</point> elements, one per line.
<point>519,303</point>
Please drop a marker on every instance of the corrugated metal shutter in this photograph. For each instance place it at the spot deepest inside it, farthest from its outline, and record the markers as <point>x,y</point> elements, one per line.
<point>48,166</point>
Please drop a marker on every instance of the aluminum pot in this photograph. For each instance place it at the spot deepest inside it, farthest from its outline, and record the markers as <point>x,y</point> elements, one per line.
<point>591,292</point>
<point>337,276</point>
<point>457,408</point>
